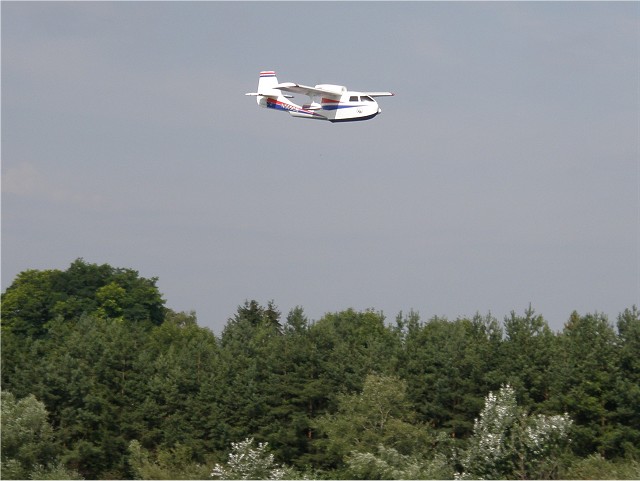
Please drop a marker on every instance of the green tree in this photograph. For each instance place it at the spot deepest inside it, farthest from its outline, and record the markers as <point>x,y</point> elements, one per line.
<point>627,414</point>
<point>171,463</point>
<point>597,467</point>
<point>29,448</point>
<point>379,415</point>
<point>180,405</point>
<point>448,367</point>
<point>351,345</point>
<point>94,385</point>
<point>22,360</point>
<point>37,297</point>
<point>289,390</point>
<point>134,389</point>
<point>585,378</point>
<point>28,303</point>
<point>249,343</point>
<point>528,354</point>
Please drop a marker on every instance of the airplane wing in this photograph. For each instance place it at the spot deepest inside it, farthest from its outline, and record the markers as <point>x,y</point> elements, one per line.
<point>379,94</point>
<point>308,91</point>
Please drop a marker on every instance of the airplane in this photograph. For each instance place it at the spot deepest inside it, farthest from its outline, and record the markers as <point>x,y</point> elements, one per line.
<point>327,102</point>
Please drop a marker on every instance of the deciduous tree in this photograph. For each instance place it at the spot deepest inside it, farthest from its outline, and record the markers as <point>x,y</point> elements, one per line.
<point>29,447</point>
<point>509,443</point>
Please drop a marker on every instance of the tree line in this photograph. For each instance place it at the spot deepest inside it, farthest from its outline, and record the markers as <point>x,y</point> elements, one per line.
<point>101,380</point>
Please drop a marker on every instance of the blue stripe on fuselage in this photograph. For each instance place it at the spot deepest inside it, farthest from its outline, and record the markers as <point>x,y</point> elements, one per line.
<point>277,105</point>
<point>339,106</point>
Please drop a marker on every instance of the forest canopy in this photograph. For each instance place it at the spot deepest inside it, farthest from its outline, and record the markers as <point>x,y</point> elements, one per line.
<point>100,380</point>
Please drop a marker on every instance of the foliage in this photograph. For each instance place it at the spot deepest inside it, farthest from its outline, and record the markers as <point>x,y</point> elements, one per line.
<point>376,434</point>
<point>37,297</point>
<point>106,382</point>
<point>597,467</point>
<point>247,461</point>
<point>588,382</point>
<point>627,388</point>
<point>529,349</point>
<point>449,369</point>
<point>507,442</point>
<point>29,449</point>
<point>388,463</point>
<point>380,414</point>
<point>174,463</point>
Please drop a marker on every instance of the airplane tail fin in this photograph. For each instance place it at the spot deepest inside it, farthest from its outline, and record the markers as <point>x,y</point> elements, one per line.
<point>266,82</point>
<point>270,97</point>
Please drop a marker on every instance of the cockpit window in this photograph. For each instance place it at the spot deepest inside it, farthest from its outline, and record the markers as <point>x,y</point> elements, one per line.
<point>366,98</point>
<point>353,98</point>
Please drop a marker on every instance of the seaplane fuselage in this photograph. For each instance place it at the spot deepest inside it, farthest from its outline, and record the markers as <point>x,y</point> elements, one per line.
<point>327,101</point>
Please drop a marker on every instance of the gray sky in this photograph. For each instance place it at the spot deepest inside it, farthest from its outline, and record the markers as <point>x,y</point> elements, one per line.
<point>504,172</point>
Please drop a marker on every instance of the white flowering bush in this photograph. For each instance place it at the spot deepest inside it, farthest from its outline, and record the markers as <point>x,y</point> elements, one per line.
<point>544,432</point>
<point>509,443</point>
<point>249,462</point>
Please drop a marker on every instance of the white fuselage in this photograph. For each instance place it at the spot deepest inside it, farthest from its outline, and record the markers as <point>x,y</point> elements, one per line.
<point>351,106</point>
<point>326,101</point>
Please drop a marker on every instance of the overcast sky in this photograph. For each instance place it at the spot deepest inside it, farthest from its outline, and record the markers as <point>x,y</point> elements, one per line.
<point>505,171</point>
